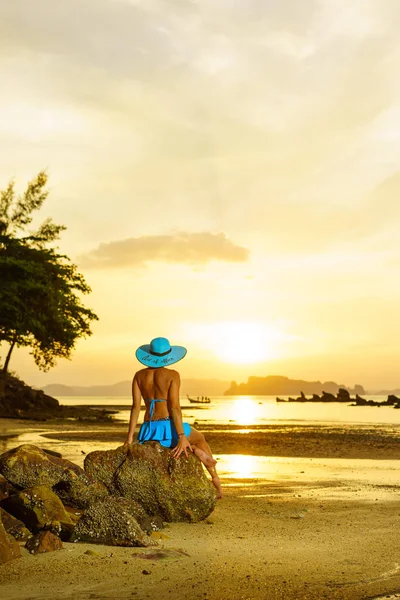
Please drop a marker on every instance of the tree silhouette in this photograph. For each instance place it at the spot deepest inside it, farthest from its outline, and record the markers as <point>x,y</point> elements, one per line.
<point>40,305</point>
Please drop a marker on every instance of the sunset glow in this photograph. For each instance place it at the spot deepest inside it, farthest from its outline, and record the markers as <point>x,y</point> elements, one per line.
<point>239,342</point>
<point>243,343</point>
<point>228,175</point>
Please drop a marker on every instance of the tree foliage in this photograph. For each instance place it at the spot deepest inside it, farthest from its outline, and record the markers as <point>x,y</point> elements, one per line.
<point>40,289</point>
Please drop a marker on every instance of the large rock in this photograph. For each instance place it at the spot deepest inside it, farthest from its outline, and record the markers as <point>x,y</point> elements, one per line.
<point>9,547</point>
<point>102,466</point>
<point>39,508</point>
<point>76,491</point>
<point>27,466</point>
<point>111,521</point>
<point>176,490</point>
<point>14,526</point>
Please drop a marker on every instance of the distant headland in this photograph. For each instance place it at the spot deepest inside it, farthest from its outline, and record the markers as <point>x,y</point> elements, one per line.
<point>195,387</point>
<point>272,385</point>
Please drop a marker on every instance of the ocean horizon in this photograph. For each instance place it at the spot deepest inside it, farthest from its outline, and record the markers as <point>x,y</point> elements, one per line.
<point>255,410</point>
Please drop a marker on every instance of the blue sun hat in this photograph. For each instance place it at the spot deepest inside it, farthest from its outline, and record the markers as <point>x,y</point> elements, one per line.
<point>159,353</point>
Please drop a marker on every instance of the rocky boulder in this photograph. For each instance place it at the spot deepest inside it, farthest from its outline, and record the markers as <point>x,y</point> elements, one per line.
<point>14,526</point>
<point>39,508</point>
<point>27,466</point>
<point>9,547</point>
<point>102,466</point>
<point>76,491</point>
<point>111,521</point>
<point>6,488</point>
<point>176,490</point>
<point>44,541</point>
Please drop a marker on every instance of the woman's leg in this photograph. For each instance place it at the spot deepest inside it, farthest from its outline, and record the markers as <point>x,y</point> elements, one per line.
<point>203,451</point>
<point>201,448</point>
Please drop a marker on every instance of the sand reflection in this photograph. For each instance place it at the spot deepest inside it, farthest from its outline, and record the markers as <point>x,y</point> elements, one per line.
<point>242,466</point>
<point>381,475</point>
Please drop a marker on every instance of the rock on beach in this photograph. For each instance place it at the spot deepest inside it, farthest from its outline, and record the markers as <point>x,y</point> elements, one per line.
<point>9,547</point>
<point>120,499</point>
<point>176,490</point>
<point>6,488</point>
<point>27,466</point>
<point>111,521</point>
<point>39,508</point>
<point>14,526</point>
<point>44,541</point>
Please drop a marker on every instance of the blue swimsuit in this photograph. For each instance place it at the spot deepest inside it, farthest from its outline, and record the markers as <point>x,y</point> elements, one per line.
<point>162,430</point>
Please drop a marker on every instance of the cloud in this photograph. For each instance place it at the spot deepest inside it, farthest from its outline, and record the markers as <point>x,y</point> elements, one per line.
<point>204,103</point>
<point>180,248</point>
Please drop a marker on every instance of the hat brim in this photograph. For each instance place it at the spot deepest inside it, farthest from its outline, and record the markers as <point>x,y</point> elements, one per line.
<point>145,357</point>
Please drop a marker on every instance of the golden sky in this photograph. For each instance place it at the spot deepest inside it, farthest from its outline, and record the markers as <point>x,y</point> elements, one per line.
<point>228,171</point>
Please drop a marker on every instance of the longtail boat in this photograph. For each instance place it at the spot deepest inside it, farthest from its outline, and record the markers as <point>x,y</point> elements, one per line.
<point>199,400</point>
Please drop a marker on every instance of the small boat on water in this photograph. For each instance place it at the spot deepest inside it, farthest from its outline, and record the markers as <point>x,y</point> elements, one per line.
<point>198,400</point>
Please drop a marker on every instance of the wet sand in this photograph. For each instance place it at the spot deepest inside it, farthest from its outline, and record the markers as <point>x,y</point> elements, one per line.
<point>290,440</point>
<point>307,532</point>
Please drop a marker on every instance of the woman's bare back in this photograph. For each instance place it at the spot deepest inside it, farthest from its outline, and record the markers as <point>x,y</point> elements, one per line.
<point>155,384</point>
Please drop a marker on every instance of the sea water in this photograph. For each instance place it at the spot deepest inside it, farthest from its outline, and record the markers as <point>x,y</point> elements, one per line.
<point>256,410</point>
<point>248,412</point>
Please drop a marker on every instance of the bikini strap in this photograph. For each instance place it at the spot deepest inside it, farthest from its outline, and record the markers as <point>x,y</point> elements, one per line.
<point>152,406</point>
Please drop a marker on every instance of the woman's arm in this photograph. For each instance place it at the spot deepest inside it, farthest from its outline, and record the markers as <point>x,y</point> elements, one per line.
<point>136,401</point>
<point>174,408</point>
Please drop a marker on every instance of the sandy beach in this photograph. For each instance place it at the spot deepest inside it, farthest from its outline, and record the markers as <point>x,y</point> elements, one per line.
<point>324,525</point>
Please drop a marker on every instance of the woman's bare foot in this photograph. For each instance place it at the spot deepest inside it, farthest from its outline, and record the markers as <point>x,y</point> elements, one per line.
<point>209,462</point>
<point>216,482</point>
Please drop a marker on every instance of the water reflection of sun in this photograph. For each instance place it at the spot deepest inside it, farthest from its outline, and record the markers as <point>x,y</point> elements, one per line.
<point>245,411</point>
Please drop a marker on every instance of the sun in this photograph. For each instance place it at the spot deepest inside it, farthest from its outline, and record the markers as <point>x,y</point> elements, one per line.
<point>244,342</point>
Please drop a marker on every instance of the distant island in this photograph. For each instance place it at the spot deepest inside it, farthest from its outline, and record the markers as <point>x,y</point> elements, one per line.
<point>272,385</point>
<point>395,392</point>
<point>194,387</point>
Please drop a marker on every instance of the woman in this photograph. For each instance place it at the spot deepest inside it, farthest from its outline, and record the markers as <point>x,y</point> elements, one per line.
<point>159,388</point>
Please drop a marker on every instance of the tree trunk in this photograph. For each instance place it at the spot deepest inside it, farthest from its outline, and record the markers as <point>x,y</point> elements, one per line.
<point>14,340</point>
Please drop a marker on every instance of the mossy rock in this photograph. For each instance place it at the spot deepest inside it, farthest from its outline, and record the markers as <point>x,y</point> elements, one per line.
<point>27,466</point>
<point>111,521</point>
<point>102,465</point>
<point>6,488</point>
<point>14,526</point>
<point>175,490</point>
<point>9,547</point>
<point>40,508</point>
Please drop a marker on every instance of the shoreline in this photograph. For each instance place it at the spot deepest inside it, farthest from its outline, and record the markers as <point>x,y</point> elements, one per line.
<point>283,440</point>
<point>308,529</point>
